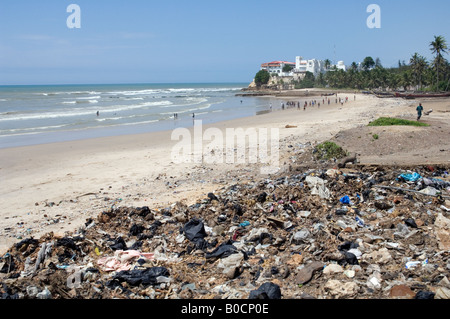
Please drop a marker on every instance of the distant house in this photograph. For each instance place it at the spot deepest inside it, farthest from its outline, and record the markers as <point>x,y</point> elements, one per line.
<point>277,67</point>
<point>314,66</point>
<point>341,66</point>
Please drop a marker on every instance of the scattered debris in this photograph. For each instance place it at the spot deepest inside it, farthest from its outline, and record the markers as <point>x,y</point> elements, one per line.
<point>325,233</point>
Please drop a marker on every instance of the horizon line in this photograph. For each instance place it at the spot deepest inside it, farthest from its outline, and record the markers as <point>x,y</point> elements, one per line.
<point>123,83</point>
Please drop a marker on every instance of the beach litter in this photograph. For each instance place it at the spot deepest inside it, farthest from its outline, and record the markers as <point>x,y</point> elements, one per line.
<point>295,235</point>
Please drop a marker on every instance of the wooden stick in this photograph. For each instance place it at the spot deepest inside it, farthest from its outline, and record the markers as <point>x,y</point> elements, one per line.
<point>346,160</point>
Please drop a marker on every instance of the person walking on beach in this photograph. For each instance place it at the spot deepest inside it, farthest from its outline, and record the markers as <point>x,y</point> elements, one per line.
<point>419,110</point>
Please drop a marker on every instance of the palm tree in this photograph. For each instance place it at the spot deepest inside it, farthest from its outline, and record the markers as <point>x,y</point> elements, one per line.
<point>394,80</point>
<point>327,64</point>
<point>405,79</point>
<point>418,64</point>
<point>438,47</point>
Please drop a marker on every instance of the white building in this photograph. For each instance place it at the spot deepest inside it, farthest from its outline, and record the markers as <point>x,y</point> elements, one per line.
<point>277,67</point>
<point>341,66</point>
<point>300,67</point>
<point>314,66</point>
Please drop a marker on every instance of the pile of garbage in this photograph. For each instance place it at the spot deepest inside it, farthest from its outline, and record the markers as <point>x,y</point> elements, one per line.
<point>320,233</point>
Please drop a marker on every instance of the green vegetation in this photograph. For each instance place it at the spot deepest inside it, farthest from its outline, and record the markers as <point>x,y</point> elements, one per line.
<point>438,46</point>
<point>307,82</point>
<point>389,121</point>
<point>368,63</point>
<point>262,77</point>
<point>329,150</point>
<point>417,73</point>
<point>287,68</point>
<point>375,136</point>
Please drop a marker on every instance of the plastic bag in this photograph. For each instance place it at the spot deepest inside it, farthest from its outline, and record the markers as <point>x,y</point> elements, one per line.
<point>318,186</point>
<point>195,230</point>
<point>224,250</point>
<point>145,276</point>
<point>345,200</point>
<point>410,177</point>
<point>267,290</point>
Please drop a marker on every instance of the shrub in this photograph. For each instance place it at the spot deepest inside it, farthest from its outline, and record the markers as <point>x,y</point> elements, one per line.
<point>388,121</point>
<point>329,150</point>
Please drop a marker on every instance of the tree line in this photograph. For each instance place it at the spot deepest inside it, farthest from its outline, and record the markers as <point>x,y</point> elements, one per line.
<point>418,73</point>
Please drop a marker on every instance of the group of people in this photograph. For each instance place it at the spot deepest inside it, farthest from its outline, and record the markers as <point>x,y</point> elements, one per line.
<point>340,100</point>
<point>312,103</point>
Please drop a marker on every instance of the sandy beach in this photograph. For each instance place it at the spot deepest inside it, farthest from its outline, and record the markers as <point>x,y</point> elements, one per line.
<point>56,187</point>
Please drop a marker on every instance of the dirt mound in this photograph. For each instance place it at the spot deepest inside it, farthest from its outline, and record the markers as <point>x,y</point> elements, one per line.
<point>386,145</point>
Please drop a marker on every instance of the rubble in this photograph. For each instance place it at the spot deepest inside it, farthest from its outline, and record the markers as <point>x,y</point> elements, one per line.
<point>361,232</point>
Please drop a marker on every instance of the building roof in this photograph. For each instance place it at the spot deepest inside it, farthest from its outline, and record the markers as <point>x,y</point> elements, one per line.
<point>276,63</point>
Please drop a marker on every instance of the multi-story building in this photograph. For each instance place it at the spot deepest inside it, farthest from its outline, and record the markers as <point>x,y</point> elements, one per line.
<point>277,67</point>
<point>314,66</point>
<point>300,67</point>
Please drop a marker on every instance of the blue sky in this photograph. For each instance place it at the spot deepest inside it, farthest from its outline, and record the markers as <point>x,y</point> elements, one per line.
<point>171,41</point>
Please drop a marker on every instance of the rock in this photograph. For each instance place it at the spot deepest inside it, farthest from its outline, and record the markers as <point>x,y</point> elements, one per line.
<point>295,260</point>
<point>301,236</point>
<point>442,231</point>
<point>305,274</point>
<point>381,256</point>
<point>333,269</point>
<point>340,289</point>
<point>231,264</point>
<point>374,281</point>
<point>401,292</point>
<point>383,205</point>
<point>350,273</point>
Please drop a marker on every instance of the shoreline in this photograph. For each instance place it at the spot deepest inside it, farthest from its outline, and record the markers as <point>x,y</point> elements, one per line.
<point>57,186</point>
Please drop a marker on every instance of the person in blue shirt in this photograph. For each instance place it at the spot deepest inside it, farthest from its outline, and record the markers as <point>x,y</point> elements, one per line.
<point>419,110</point>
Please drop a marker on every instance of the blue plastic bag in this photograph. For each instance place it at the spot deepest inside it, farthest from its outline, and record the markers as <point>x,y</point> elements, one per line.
<point>411,177</point>
<point>345,200</point>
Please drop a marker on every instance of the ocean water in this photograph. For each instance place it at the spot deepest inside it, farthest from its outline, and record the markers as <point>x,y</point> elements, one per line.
<point>44,114</point>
